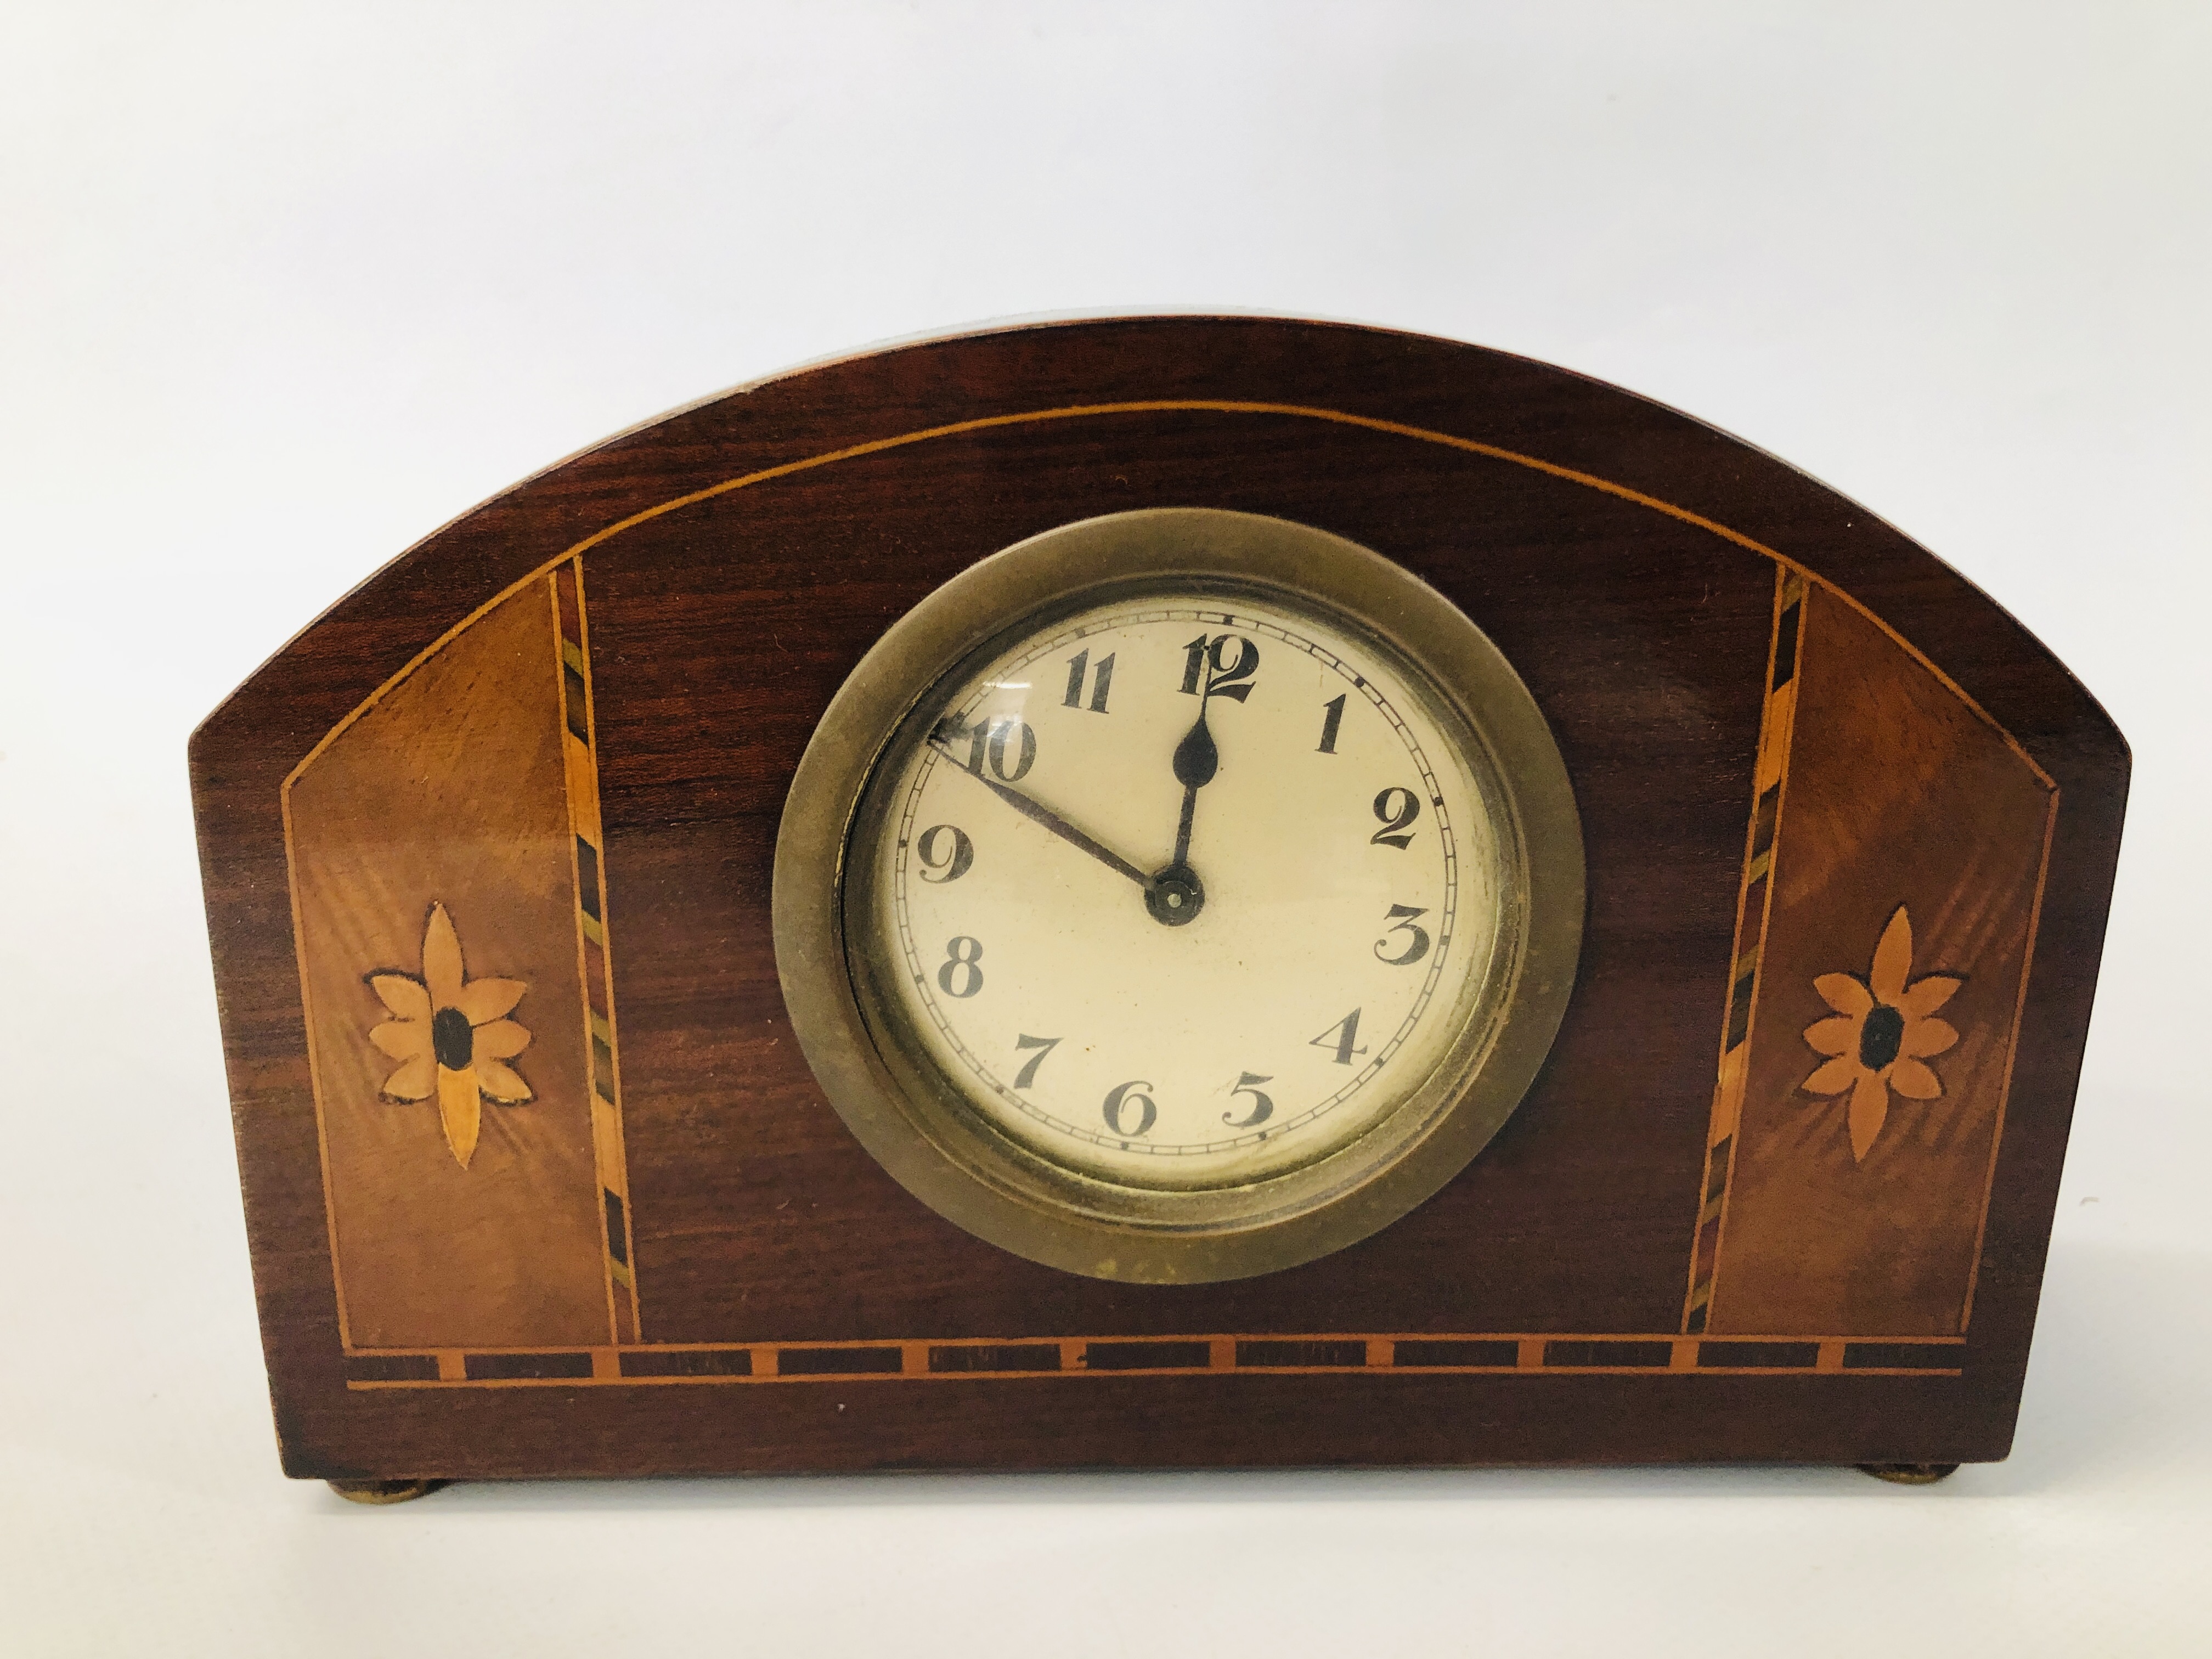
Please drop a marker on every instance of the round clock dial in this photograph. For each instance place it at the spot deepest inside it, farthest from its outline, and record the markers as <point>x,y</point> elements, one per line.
<point>1180,895</point>
<point>1185,891</point>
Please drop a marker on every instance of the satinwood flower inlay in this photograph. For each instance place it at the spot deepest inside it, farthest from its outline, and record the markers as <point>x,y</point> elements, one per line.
<point>1883,1034</point>
<point>450,1036</point>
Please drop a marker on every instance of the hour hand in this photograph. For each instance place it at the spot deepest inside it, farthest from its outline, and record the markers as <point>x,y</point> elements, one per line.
<point>1196,761</point>
<point>1043,814</point>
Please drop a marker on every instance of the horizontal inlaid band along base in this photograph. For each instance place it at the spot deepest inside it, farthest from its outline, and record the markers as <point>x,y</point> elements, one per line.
<point>1160,1356</point>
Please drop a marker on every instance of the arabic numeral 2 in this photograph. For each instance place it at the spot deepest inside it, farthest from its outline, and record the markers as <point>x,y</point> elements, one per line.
<point>1397,809</point>
<point>1125,1098</point>
<point>1078,666</point>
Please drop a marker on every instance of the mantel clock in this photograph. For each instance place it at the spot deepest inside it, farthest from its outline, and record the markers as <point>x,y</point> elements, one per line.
<point>1156,892</point>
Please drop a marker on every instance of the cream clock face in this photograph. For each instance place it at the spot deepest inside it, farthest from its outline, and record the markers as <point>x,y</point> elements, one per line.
<point>1178,894</point>
<point>1185,891</point>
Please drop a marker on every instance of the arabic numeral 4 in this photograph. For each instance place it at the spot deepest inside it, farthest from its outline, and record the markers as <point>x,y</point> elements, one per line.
<point>1340,1037</point>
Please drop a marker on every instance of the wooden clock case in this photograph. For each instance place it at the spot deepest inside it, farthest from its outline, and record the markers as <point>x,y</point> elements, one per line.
<point>1782,1190</point>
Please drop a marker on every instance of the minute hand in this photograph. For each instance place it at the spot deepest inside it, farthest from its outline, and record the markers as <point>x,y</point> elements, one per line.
<point>1051,820</point>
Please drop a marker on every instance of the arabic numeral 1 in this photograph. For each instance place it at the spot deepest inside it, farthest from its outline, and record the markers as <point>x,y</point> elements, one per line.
<point>1334,712</point>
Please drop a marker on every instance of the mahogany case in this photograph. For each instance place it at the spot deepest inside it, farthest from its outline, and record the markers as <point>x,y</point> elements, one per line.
<point>1781,1191</point>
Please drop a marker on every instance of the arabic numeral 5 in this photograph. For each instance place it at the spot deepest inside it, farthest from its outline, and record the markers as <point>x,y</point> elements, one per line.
<point>1263,1107</point>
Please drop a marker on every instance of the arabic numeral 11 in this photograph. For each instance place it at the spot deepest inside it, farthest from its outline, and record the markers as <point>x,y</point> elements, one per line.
<point>1078,668</point>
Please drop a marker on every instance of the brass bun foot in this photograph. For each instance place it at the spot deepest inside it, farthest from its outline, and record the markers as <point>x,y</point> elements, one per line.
<point>383,1491</point>
<point>1910,1474</point>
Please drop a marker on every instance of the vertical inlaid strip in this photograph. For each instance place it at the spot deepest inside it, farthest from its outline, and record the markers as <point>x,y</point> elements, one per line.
<point>593,948</point>
<point>1754,901</point>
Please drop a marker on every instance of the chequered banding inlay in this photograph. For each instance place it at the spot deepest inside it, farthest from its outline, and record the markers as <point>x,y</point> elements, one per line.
<point>1599,1354</point>
<point>1752,894</point>
<point>604,1069</point>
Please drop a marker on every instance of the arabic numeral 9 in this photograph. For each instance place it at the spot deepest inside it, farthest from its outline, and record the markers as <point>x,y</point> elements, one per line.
<point>954,860</point>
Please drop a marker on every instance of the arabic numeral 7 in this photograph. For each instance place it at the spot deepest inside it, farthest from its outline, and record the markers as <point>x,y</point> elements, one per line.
<point>1044,1046</point>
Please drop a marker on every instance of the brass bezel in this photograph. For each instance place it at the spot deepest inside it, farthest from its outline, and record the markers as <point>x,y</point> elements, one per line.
<point>917,1125</point>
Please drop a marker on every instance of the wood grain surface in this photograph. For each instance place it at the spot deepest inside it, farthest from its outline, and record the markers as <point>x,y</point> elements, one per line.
<point>1666,1255</point>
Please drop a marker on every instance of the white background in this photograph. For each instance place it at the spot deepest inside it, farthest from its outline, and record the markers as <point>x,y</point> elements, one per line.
<point>283,288</point>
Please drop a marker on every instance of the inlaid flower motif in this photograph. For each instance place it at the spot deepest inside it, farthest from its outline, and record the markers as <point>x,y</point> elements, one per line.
<point>450,1036</point>
<point>1883,1034</point>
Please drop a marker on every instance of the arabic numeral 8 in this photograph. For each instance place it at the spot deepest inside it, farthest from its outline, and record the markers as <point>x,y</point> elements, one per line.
<point>957,975</point>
